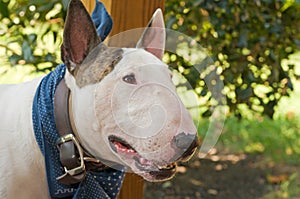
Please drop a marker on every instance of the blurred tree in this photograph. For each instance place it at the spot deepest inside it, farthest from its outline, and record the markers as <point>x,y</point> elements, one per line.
<point>248,41</point>
<point>30,31</point>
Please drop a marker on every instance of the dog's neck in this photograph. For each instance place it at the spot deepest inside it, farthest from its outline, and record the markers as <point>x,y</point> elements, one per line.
<point>72,154</point>
<point>71,117</point>
<point>87,126</point>
<point>64,113</point>
<point>73,126</point>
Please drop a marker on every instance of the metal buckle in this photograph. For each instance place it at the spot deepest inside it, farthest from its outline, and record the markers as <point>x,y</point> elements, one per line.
<point>81,167</point>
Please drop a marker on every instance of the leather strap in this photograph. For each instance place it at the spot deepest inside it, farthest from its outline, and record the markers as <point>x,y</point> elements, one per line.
<point>61,108</point>
<point>73,157</point>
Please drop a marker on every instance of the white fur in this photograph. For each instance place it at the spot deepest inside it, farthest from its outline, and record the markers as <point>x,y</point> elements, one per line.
<point>22,173</point>
<point>147,115</point>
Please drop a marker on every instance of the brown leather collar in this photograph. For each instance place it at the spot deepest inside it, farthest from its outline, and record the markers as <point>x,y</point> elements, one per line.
<point>74,159</point>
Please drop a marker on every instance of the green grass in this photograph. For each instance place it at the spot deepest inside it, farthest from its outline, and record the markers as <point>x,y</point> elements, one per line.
<point>278,139</point>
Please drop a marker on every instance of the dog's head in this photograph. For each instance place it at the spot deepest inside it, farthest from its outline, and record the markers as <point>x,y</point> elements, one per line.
<point>125,107</point>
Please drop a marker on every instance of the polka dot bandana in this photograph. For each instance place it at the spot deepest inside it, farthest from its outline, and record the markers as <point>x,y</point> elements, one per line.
<point>102,184</point>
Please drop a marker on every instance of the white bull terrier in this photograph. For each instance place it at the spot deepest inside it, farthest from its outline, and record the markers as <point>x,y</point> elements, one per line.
<point>118,106</point>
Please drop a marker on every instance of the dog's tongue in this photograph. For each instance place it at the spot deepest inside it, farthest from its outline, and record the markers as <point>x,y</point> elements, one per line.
<point>125,149</point>
<point>143,162</point>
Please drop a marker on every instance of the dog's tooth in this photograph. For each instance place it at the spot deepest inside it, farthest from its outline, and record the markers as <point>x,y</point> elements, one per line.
<point>143,160</point>
<point>130,151</point>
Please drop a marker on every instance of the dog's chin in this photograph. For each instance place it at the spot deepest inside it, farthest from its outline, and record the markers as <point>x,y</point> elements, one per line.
<point>147,169</point>
<point>158,175</point>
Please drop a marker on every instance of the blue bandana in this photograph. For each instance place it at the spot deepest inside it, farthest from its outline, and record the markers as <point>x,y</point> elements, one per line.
<point>102,184</point>
<point>102,20</point>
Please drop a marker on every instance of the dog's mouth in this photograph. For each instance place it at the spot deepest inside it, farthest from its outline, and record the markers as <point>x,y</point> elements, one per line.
<point>147,168</point>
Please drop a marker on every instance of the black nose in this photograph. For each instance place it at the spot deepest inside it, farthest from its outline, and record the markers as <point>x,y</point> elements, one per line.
<point>185,145</point>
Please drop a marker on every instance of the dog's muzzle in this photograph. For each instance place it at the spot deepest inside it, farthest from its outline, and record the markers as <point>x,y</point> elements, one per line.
<point>185,146</point>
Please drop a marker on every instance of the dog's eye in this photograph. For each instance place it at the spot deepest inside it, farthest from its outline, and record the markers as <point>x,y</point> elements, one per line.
<point>130,79</point>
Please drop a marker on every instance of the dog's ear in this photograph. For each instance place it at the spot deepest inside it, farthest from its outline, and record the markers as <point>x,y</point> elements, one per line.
<point>80,35</point>
<point>154,36</point>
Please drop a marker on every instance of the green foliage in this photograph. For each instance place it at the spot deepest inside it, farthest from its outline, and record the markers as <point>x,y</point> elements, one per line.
<point>30,31</point>
<point>248,41</point>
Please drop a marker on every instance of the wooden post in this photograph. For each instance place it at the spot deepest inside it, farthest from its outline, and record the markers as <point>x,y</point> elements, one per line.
<point>89,5</point>
<point>129,14</point>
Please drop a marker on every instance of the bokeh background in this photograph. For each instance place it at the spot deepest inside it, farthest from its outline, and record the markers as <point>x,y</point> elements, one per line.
<point>255,49</point>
